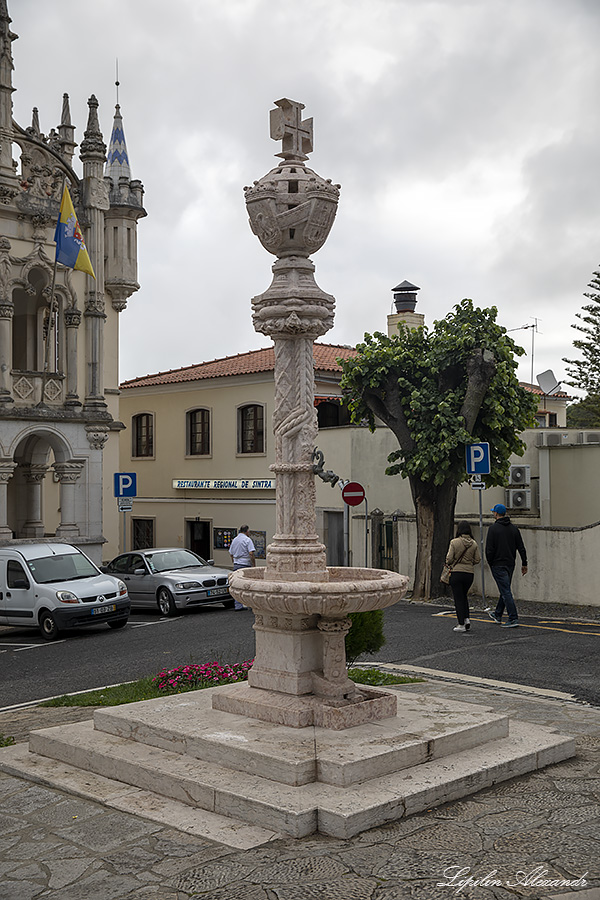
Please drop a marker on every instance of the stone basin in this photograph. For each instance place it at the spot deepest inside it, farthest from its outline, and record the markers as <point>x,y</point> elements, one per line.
<point>343,590</point>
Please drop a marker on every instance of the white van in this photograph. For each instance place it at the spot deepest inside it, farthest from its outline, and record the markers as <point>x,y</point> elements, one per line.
<point>55,587</point>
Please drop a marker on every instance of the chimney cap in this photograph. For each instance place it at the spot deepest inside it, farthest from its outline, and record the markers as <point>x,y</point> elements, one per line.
<point>405,287</point>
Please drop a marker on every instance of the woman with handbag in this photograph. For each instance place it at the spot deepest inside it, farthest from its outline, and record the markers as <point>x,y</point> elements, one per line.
<point>462,557</point>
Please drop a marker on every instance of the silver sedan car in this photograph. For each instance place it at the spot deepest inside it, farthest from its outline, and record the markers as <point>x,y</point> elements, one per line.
<point>170,578</point>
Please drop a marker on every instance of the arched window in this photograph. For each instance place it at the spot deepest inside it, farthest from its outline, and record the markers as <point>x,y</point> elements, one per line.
<point>251,429</point>
<point>198,432</point>
<point>142,435</point>
<point>32,339</point>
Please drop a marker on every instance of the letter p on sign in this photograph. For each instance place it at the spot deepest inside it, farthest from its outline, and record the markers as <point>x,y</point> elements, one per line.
<point>478,459</point>
<point>125,484</point>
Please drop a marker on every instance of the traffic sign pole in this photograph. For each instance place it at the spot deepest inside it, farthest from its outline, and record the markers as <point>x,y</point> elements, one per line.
<point>353,494</point>
<point>478,464</point>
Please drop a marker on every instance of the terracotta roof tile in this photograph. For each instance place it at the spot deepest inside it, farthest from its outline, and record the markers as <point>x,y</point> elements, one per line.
<point>242,364</point>
<point>534,389</point>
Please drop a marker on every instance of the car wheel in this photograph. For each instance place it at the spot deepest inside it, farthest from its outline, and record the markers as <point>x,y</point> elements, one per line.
<point>228,604</point>
<point>166,604</point>
<point>48,627</point>
<point>121,623</point>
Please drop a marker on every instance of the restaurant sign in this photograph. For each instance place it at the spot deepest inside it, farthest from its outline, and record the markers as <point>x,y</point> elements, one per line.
<point>225,484</point>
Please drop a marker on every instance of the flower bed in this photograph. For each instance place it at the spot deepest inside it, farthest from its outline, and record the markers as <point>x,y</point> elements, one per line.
<point>192,677</point>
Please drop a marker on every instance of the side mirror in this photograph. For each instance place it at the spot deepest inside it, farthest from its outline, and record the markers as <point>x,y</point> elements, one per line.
<point>139,571</point>
<point>210,562</point>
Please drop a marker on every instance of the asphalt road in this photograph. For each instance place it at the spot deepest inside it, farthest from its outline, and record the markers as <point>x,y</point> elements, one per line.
<point>561,655</point>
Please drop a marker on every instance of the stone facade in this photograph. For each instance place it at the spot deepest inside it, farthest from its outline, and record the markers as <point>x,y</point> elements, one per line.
<point>59,419</point>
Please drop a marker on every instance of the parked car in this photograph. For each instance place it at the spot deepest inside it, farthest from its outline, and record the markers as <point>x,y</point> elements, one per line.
<point>55,587</point>
<point>171,578</point>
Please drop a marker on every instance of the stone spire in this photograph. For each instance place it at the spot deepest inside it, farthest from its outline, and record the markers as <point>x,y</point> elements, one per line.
<point>8,179</point>
<point>35,122</point>
<point>92,145</point>
<point>66,131</point>
<point>117,164</point>
<point>126,207</point>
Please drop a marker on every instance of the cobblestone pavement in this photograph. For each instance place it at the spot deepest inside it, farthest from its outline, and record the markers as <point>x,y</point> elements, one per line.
<point>510,840</point>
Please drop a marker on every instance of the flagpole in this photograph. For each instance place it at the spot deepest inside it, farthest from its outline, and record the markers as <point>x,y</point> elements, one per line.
<point>51,312</point>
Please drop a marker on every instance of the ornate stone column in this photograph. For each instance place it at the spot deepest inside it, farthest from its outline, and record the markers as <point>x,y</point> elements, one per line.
<point>291,211</point>
<point>34,476</point>
<point>72,323</point>
<point>96,203</point>
<point>6,318</point>
<point>68,474</point>
<point>7,467</point>
<point>301,606</point>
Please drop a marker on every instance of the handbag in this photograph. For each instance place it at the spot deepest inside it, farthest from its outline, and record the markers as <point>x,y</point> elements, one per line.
<point>447,570</point>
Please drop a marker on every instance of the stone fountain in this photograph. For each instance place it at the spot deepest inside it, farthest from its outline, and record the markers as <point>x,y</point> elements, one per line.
<point>301,605</point>
<point>299,748</point>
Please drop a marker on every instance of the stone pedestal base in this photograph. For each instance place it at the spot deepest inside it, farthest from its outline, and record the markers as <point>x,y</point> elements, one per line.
<point>300,712</point>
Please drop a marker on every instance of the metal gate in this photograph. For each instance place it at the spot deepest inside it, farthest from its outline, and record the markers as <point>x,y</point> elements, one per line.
<point>385,546</point>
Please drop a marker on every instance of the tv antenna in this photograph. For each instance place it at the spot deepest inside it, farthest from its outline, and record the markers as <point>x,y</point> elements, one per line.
<point>534,330</point>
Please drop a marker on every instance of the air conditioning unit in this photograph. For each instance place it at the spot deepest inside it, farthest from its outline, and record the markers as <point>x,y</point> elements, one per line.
<point>515,498</point>
<point>519,475</point>
<point>588,437</point>
<point>554,439</point>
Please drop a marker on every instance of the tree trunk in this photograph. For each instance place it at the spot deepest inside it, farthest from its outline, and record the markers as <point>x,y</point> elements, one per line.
<point>434,505</point>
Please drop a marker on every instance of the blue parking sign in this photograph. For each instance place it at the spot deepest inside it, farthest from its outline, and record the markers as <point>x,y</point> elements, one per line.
<point>478,459</point>
<point>125,484</point>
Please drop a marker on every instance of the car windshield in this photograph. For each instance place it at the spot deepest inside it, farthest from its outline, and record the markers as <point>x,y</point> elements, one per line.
<point>62,567</point>
<point>163,560</point>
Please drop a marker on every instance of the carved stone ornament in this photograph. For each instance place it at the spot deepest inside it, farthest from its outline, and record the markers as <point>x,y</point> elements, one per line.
<point>97,436</point>
<point>120,291</point>
<point>72,317</point>
<point>7,193</point>
<point>34,473</point>
<point>97,194</point>
<point>7,468</point>
<point>94,304</point>
<point>68,472</point>
<point>23,388</point>
<point>52,390</point>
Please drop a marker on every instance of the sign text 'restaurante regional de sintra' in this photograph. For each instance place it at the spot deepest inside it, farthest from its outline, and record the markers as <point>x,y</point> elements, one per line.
<point>224,484</point>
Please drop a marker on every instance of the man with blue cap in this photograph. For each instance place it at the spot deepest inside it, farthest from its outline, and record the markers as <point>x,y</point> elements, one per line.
<point>503,542</point>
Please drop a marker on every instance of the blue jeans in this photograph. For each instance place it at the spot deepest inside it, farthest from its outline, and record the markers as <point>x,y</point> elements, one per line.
<point>502,577</point>
<point>236,603</point>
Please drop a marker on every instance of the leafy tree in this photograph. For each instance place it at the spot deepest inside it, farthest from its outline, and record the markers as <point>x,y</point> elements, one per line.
<point>585,414</point>
<point>584,373</point>
<point>439,390</point>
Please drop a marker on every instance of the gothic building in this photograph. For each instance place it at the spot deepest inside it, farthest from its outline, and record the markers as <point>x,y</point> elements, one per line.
<point>59,419</point>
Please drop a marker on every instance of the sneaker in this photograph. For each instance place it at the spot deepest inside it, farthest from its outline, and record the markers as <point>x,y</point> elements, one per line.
<point>510,624</point>
<point>467,624</point>
<point>459,628</point>
<point>493,616</point>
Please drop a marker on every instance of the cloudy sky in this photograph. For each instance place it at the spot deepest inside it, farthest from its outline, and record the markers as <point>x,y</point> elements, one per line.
<point>465,135</point>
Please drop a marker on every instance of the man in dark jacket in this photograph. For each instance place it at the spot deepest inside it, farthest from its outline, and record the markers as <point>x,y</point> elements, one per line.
<point>503,541</point>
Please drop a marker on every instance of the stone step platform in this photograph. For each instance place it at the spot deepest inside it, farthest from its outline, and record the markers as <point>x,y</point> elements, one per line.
<point>422,729</point>
<point>20,762</point>
<point>436,760</point>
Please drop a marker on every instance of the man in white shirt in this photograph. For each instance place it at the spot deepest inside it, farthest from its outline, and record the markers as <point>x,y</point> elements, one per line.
<point>242,552</point>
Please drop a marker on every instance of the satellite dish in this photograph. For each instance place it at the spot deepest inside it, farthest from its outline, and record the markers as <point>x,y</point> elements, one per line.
<point>547,382</point>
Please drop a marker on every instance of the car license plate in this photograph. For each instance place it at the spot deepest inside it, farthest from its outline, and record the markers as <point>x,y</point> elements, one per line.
<point>217,592</point>
<point>103,609</point>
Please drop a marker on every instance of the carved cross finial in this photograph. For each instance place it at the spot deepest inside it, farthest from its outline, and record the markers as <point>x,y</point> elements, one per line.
<point>295,133</point>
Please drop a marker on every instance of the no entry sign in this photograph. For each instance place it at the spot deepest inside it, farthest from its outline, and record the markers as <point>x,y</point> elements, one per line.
<point>353,493</point>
